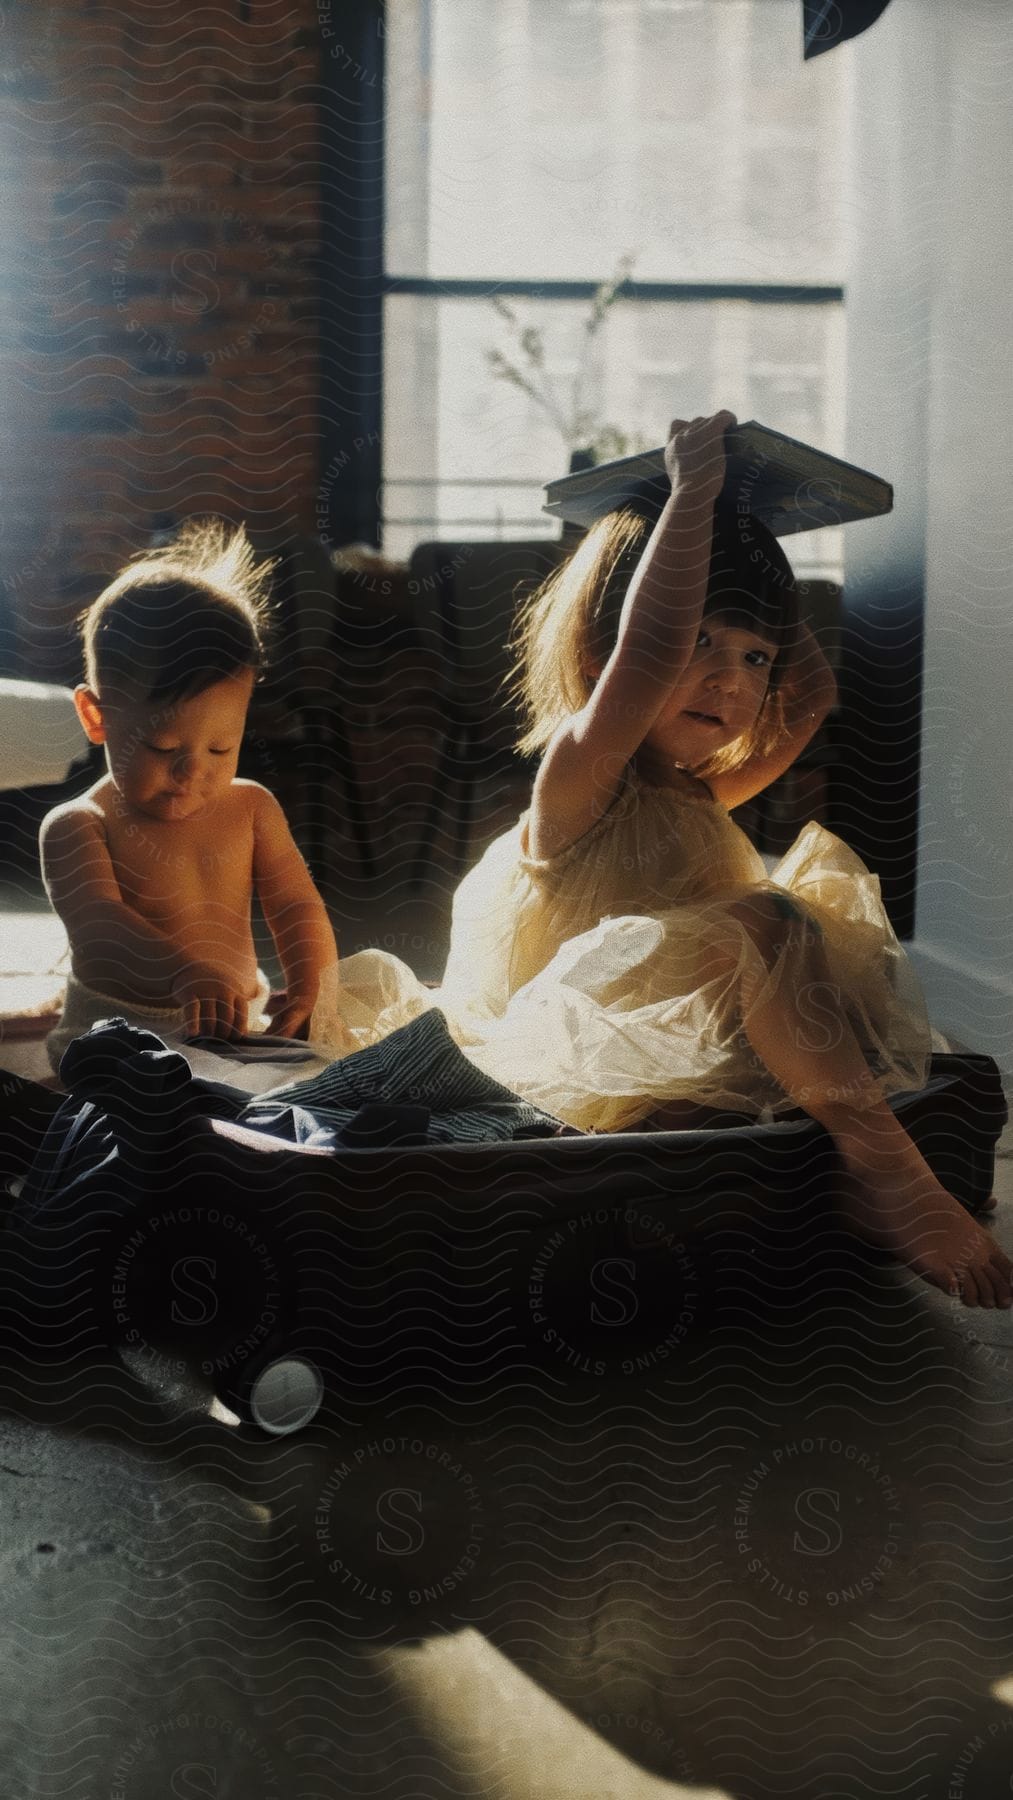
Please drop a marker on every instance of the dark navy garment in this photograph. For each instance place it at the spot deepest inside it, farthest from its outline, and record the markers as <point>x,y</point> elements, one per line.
<point>121,1143</point>
<point>131,1097</point>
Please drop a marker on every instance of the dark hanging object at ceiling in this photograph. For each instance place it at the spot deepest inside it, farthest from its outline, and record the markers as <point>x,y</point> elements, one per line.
<point>827,23</point>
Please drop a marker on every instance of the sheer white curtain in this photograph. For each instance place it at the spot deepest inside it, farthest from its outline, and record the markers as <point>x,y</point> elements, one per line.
<point>559,138</point>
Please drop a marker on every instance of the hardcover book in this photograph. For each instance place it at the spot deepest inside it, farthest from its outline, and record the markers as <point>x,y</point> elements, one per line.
<point>788,485</point>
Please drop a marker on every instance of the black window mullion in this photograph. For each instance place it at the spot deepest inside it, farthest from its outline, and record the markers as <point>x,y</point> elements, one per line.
<point>762,292</point>
<point>351,276</point>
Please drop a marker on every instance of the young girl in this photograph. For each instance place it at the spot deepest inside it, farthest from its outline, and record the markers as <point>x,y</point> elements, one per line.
<point>622,951</point>
<point>153,870</point>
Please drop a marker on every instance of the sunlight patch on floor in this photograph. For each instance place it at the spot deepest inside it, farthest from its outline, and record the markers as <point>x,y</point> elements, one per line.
<point>501,1732</point>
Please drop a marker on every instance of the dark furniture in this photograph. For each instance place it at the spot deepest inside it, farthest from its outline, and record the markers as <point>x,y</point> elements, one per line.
<point>466,598</point>
<point>296,736</point>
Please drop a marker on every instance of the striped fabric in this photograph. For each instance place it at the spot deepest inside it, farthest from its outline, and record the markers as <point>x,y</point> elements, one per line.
<point>419,1065</point>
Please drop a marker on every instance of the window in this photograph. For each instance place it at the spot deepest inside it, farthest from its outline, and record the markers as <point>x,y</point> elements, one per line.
<point>525,160</point>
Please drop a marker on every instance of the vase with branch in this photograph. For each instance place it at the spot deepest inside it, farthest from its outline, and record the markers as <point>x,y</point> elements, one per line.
<point>587,437</point>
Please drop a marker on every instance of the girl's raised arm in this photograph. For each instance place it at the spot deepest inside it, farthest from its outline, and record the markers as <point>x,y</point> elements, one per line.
<point>658,630</point>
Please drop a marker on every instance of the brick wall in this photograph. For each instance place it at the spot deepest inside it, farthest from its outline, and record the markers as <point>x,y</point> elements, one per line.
<point>158,273</point>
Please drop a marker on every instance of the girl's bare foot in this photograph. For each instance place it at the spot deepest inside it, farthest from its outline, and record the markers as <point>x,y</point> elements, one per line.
<point>893,1199</point>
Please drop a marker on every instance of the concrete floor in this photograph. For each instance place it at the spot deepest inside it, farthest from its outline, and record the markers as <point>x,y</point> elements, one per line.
<point>776,1558</point>
<point>778,1561</point>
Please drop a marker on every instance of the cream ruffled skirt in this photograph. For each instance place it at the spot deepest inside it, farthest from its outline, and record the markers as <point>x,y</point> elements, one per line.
<point>643,1009</point>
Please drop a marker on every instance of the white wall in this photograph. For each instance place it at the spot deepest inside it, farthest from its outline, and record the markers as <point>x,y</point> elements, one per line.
<point>930,402</point>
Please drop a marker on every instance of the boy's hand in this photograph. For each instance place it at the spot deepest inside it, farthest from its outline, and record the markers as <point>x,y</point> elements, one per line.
<point>289,1011</point>
<point>695,454</point>
<point>211,1006</point>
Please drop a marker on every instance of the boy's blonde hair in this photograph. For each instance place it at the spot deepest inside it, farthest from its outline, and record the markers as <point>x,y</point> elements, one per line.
<point>180,617</point>
<point>567,630</point>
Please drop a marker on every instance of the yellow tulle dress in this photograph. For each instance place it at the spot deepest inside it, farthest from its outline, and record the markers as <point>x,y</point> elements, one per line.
<point>590,982</point>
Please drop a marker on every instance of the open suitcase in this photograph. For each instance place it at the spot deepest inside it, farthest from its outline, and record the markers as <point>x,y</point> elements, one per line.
<point>284,1274</point>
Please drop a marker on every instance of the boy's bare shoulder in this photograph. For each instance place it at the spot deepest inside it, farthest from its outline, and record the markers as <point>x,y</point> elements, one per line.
<point>72,818</point>
<point>241,784</point>
<point>258,800</point>
<point>254,812</point>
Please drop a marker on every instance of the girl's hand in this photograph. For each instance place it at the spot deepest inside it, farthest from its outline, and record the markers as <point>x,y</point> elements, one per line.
<point>695,454</point>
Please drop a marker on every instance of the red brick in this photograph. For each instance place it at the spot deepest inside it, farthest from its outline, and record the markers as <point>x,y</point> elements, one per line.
<point>120,124</point>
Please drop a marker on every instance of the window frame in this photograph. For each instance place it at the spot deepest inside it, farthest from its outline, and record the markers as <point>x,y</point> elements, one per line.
<point>645,292</point>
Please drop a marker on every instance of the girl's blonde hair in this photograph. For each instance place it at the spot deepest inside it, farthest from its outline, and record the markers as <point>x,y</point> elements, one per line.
<point>568,628</point>
<point>179,617</point>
